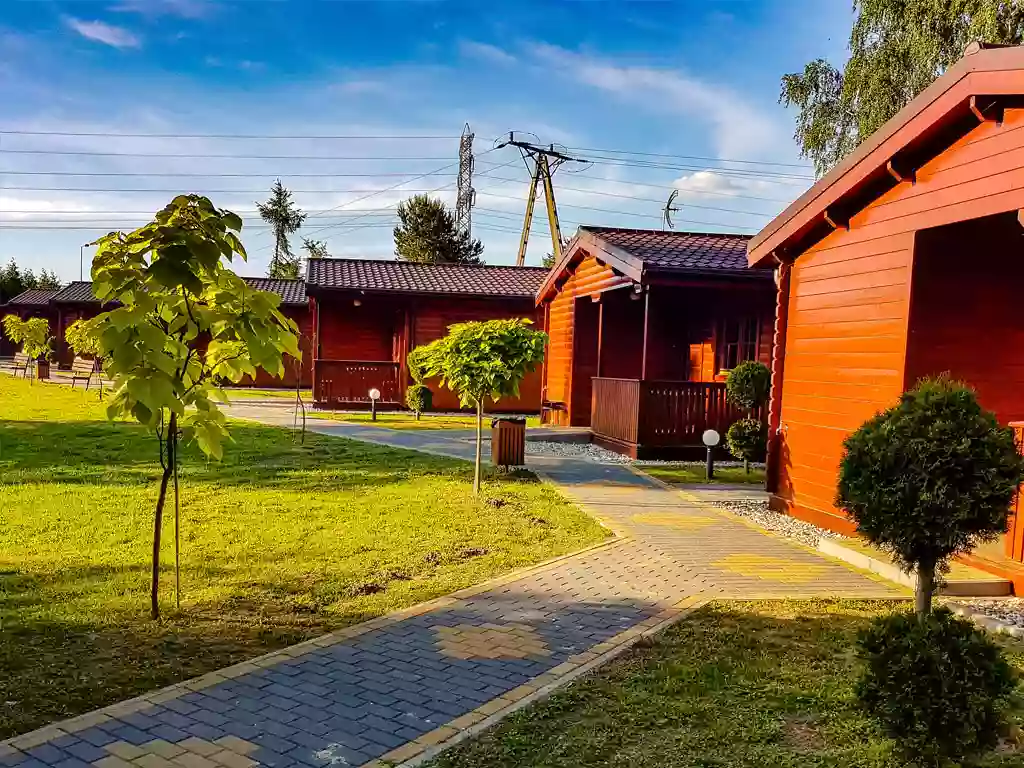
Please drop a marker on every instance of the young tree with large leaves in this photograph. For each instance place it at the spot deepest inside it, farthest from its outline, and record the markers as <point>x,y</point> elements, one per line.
<point>427,234</point>
<point>897,49</point>
<point>185,322</point>
<point>480,360</point>
<point>281,213</point>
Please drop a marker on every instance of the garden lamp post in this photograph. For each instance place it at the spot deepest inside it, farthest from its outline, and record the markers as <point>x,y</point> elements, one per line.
<point>374,397</point>
<point>711,438</point>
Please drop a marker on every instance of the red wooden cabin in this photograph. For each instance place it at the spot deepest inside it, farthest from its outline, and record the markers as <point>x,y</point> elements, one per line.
<point>77,301</point>
<point>643,327</point>
<point>369,314</point>
<point>34,302</point>
<point>905,261</point>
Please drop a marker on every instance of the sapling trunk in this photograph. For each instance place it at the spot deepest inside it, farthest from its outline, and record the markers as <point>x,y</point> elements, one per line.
<point>479,443</point>
<point>746,466</point>
<point>177,527</point>
<point>925,588</point>
<point>154,595</point>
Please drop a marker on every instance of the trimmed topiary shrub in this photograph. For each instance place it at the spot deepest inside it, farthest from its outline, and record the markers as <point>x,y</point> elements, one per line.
<point>936,686</point>
<point>747,439</point>
<point>418,398</point>
<point>930,478</point>
<point>749,384</point>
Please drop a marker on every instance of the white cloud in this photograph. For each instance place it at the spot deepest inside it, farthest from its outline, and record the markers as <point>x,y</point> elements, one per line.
<point>739,128</point>
<point>186,9</point>
<point>100,32</point>
<point>472,49</point>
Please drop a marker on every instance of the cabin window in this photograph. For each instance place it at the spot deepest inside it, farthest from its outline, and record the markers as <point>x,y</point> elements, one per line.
<point>737,342</point>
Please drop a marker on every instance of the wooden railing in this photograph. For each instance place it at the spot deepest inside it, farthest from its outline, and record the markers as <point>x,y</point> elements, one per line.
<point>615,408</point>
<point>661,413</point>
<point>350,381</point>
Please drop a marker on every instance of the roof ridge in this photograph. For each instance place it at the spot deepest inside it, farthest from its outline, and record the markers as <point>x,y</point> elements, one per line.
<point>598,228</point>
<point>418,264</point>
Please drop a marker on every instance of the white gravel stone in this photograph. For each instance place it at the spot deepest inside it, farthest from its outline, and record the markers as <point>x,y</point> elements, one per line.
<point>1009,610</point>
<point>776,522</point>
<point>575,450</point>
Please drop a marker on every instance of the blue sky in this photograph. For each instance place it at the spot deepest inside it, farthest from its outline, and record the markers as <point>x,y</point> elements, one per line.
<point>697,81</point>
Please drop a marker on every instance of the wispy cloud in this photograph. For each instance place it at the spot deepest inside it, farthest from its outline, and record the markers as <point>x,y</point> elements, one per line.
<point>740,129</point>
<point>472,49</point>
<point>100,32</point>
<point>186,9</point>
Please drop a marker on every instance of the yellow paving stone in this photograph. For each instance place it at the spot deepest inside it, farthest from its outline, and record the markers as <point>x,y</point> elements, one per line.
<point>125,750</point>
<point>232,759</point>
<point>192,760</point>
<point>6,750</point>
<point>35,738</point>
<point>437,735</point>
<point>517,693</point>
<point>470,718</point>
<point>111,761</point>
<point>200,746</point>
<point>492,706</point>
<point>681,521</point>
<point>162,748</point>
<point>778,569</point>
<point>490,641</point>
<point>403,753</point>
<point>82,722</point>
<point>149,760</point>
<point>235,744</point>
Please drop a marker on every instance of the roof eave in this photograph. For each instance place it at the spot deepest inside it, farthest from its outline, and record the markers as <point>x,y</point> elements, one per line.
<point>593,244</point>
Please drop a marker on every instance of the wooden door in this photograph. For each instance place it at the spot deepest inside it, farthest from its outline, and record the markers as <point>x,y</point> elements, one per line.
<point>584,360</point>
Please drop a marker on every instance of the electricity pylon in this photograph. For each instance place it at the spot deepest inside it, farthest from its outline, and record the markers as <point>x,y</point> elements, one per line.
<point>545,160</point>
<point>465,196</point>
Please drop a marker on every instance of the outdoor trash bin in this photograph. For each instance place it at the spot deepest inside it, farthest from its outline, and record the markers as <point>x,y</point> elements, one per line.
<point>508,442</point>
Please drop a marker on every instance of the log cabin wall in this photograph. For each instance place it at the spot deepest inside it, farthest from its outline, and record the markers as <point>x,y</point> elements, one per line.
<point>966,318</point>
<point>850,307</point>
<point>587,278</point>
<point>303,317</point>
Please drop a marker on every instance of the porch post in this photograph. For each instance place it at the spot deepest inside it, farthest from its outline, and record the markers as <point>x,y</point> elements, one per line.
<point>643,357</point>
<point>600,331</point>
<point>772,463</point>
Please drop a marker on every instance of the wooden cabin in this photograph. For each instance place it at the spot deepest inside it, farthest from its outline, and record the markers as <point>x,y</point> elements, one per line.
<point>77,301</point>
<point>369,314</point>
<point>905,261</point>
<point>644,325</point>
<point>34,302</point>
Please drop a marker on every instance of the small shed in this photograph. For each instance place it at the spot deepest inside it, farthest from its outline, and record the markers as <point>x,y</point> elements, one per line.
<point>369,314</point>
<point>644,325</point>
<point>904,262</point>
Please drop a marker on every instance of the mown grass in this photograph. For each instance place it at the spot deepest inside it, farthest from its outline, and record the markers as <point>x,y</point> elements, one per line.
<point>280,542</point>
<point>404,420</point>
<point>695,474</point>
<point>254,393</point>
<point>746,685</point>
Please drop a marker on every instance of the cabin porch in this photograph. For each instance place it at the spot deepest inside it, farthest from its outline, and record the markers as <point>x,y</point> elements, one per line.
<point>649,364</point>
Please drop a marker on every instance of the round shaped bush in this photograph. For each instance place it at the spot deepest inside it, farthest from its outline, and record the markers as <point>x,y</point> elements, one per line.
<point>936,686</point>
<point>930,477</point>
<point>418,397</point>
<point>747,439</point>
<point>748,384</point>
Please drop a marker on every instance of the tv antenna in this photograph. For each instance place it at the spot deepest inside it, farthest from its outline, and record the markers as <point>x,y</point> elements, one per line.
<point>544,162</point>
<point>668,210</point>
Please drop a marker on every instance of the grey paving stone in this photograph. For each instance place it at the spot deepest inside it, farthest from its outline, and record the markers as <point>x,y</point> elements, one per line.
<point>131,734</point>
<point>47,753</point>
<point>168,733</point>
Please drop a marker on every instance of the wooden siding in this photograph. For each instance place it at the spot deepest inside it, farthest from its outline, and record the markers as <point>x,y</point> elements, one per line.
<point>966,318</point>
<point>588,278</point>
<point>850,306</point>
<point>303,317</point>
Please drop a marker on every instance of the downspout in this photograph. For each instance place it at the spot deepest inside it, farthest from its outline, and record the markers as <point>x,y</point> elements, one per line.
<point>775,427</point>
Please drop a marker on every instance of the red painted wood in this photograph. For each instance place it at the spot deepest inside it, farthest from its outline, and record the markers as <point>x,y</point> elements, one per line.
<point>1014,540</point>
<point>350,381</point>
<point>615,409</point>
<point>676,413</point>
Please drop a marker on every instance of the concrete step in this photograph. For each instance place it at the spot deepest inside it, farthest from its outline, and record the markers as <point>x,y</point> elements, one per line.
<point>961,581</point>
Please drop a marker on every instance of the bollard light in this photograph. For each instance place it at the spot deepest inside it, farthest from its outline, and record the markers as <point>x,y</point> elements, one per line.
<point>374,394</point>
<point>711,438</point>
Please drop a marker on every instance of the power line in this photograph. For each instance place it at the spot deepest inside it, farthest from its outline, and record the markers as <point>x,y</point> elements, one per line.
<point>212,156</point>
<point>101,134</point>
<point>687,157</point>
<point>216,175</point>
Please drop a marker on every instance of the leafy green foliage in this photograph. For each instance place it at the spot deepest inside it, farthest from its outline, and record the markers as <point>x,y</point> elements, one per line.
<point>937,687</point>
<point>315,249</point>
<point>14,280</point>
<point>33,334</point>
<point>749,384</point>
<point>417,365</point>
<point>81,337</point>
<point>174,289</point>
<point>418,398</point>
<point>747,439</point>
<point>285,217</point>
<point>426,233</point>
<point>897,48</point>
<point>930,477</point>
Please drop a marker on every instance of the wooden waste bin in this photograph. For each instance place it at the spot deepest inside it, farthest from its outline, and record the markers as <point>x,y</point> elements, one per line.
<point>508,442</point>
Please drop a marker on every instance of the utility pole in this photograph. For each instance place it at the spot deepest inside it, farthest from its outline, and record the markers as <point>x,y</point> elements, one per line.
<point>466,196</point>
<point>545,160</point>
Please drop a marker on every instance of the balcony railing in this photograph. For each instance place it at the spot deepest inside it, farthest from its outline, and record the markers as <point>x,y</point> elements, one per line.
<point>661,414</point>
<point>350,381</point>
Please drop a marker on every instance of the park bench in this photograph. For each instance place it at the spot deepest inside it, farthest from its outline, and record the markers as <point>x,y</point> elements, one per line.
<point>83,370</point>
<point>21,363</point>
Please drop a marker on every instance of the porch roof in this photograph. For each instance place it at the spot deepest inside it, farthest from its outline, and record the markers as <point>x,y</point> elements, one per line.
<point>975,89</point>
<point>644,255</point>
<point>33,297</point>
<point>380,276</point>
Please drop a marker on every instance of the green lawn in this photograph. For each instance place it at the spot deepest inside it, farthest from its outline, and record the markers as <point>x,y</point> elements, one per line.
<point>404,420</point>
<point>279,542</point>
<point>696,474</point>
<point>251,393</point>
<point>750,685</point>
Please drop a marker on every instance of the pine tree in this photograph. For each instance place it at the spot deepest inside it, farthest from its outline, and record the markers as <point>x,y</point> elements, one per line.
<point>48,280</point>
<point>315,249</point>
<point>285,217</point>
<point>427,234</point>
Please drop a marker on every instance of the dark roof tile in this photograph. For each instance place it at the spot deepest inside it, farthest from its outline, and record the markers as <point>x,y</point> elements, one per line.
<point>77,292</point>
<point>684,251</point>
<point>33,297</point>
<point>408,277</point>
<point>292,292</point>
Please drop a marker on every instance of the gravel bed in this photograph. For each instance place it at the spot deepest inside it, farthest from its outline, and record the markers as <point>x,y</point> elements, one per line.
<point>1009,610</point>
<point>776,522</point>
<point>575,450</point>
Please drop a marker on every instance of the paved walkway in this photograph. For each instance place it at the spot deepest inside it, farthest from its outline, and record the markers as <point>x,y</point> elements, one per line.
<point>396,688</point>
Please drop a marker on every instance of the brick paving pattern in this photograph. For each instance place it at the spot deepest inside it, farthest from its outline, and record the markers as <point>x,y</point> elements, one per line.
<point>392,688</point>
